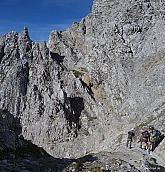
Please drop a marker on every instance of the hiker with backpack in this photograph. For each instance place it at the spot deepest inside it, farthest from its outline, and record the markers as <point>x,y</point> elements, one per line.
<point>144,138</point>
<point>130,137</point>
<point>155,137</point>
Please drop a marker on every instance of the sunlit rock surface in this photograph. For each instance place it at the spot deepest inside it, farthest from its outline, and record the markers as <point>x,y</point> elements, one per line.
<point>83,90</point>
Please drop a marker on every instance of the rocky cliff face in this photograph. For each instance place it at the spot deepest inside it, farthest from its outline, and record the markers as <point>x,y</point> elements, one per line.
<point>119,48</point>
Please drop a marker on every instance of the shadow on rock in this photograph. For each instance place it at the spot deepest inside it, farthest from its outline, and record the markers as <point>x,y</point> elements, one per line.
<point>56,57</point>
<point>89,90</point>
<point>159,141</point>
<point>73,107</point>
<point>88,158</point>
<point>9,122</point>
<point>18,154</point>
<point>154,167</point>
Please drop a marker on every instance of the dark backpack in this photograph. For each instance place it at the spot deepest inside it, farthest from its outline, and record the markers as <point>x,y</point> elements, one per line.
<point>130,135</point>
<point>156,134</point>
<point>145,135</point>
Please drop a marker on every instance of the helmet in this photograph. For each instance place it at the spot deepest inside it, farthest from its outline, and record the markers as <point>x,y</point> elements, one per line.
<point>145,131</point>
<point>132,129</point>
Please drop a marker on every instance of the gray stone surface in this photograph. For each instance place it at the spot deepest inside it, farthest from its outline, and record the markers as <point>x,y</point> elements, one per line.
<point>119,47</point>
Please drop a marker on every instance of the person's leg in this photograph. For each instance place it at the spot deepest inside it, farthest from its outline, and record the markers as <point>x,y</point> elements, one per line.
<point>140,141</point>
<point>127,143</point>
<point>130,144</point>
<point>140,145</point>
<point>153,146</point>
<point>149,148</point>
<point>145,145</point>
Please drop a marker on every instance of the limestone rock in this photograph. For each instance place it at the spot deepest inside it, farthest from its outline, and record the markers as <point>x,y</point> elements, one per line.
<point>83,90</point>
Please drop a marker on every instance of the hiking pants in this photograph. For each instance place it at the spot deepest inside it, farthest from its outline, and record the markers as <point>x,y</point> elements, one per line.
<point>129,141</point>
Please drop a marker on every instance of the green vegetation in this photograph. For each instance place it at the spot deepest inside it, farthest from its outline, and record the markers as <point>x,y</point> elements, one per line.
<point>119,138</point>
<point>96,169</point>
<point>86,132</point>
<point>163,103</point>
<point>77,74</point>
<point>91,118</point>
<point>163,130</point>
<point>76,166</point>
<point>83,69</point>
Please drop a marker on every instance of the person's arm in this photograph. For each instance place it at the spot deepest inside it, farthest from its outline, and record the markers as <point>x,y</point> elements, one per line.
<point>139,137</point>
<point>149,137</point>
<point>133,137</point>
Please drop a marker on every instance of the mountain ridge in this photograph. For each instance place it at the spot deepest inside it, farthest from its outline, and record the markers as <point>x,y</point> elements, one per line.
<point>119,47</point>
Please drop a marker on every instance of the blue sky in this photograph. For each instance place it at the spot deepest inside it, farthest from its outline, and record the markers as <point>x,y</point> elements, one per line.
<point>41,16</point>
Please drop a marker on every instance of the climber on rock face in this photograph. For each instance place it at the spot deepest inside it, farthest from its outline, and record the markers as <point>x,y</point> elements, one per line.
<point>130,137</point>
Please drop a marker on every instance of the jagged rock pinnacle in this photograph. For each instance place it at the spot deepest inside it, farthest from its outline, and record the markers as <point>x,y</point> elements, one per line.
<point>25,29</point>
<point>119,48</point>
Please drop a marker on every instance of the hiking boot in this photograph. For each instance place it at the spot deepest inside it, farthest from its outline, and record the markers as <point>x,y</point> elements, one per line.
<point>145,147</point>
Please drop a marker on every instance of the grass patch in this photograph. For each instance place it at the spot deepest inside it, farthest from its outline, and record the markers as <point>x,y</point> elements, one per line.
<point>86,132</point>
<point>96,169</point>
<point>120,138</point>
<point>76,166</point>
<point>77,74</point>
<point>91,118</point>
